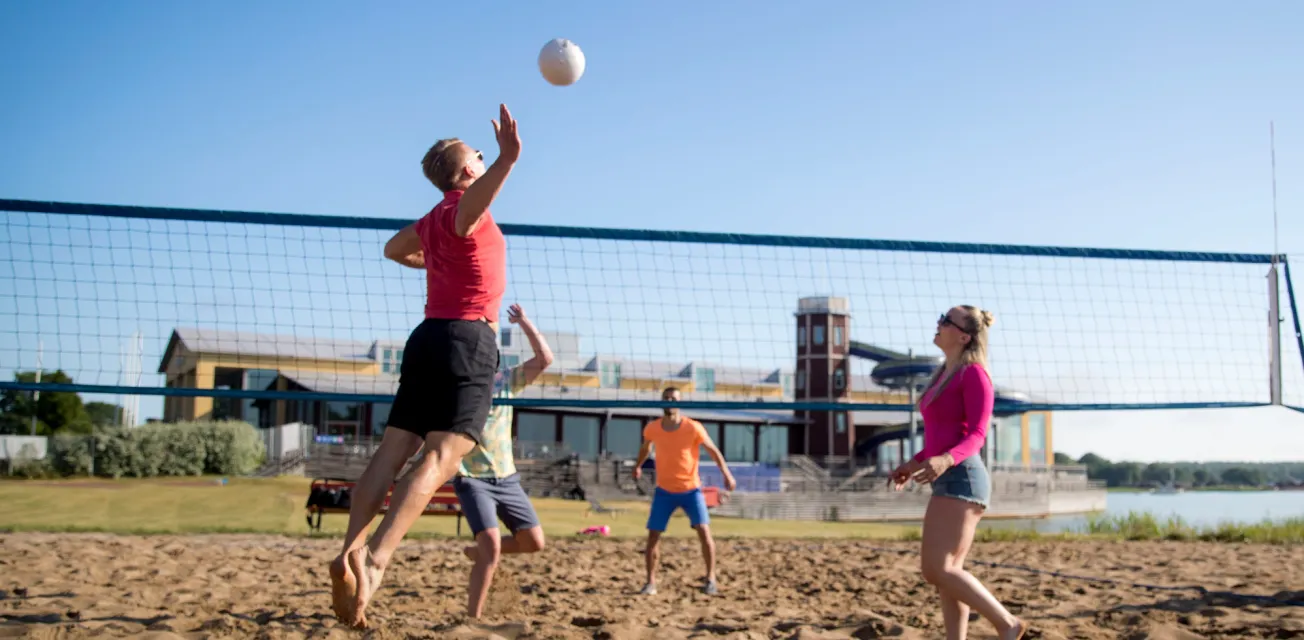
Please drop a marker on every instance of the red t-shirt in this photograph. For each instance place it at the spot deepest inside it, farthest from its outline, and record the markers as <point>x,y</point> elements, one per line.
<point>465,277</point>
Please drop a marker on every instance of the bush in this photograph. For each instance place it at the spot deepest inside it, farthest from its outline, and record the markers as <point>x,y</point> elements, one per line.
<point>1145,526</point>
<point>118,454</point>
<point>234,448</point>
<point>182,449</point>
<point>70,455</point>
<point>31,468</point>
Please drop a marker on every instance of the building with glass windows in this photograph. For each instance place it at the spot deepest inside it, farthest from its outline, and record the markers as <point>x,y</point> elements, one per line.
<point>209,359</point>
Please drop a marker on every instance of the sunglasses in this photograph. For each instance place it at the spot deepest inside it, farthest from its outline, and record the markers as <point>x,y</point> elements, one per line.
<point>946,320</point>
<point>439,161</point>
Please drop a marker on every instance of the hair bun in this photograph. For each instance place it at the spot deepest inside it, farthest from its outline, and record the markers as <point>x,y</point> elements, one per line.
<point>988,318</point>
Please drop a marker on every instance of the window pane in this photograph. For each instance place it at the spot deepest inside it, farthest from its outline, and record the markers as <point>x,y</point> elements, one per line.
<point>536,427</point>
<point>624,437</point>
<point>740,443</point>
<point>227,408</point>
<point>388,353</point>
<point>343,410</point>
<point>889,455</point>
<point>837,336</point>
<point>707,379</point>
<point>580,433</point>
<point>801,336</point>
<point>712,430</point>
<point>260,413</point>
<point>1037,438</point>
<point>610,375</point>
<point>379,418</point>
<point>774,444</point>
<point>819,334</point>
<point>1009,440</point>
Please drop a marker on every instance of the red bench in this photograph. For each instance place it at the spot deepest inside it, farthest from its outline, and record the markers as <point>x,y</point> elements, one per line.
<point>329,495</point>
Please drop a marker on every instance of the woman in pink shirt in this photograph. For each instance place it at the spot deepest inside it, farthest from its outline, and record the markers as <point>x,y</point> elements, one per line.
<point>957,407</point>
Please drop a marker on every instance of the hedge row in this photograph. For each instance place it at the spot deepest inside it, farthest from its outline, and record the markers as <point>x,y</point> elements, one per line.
<point>179,449</point>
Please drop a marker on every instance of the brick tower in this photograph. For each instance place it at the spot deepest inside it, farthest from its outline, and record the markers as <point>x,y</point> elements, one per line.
<point>823,374</point>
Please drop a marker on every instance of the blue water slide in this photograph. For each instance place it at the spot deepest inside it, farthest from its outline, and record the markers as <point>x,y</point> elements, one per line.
<point>897,371</point>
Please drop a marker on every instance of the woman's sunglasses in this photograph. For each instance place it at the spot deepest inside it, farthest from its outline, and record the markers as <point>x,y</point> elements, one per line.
<point>946,320</point>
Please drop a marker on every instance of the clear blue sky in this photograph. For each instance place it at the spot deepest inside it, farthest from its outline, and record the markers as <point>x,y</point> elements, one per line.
<point>1094,124</point>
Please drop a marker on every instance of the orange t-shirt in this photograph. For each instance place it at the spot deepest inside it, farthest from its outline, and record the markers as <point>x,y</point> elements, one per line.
<point>676,454</point>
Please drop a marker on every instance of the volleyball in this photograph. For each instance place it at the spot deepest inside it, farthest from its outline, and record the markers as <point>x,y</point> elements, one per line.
<point>561,62</point>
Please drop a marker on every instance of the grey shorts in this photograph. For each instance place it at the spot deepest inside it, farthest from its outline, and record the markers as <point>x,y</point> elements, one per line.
<point>486,500</point>
<point>968,481</point>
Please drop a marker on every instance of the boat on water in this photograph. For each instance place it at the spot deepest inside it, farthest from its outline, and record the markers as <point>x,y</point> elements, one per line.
<point>1169,488</point>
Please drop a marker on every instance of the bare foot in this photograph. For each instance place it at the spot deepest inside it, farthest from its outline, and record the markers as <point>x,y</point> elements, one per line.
<point>471,552</point>
<point>344,589</point>
<point>369,575</point>
<point>1016,632</point>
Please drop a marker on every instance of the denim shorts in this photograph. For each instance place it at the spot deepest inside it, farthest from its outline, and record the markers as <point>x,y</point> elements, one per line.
<point>968,481</point>
<point>485,500</point>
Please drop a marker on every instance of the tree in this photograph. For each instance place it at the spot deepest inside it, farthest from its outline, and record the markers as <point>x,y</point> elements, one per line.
<point>1123,474</point>
<point>1093,460</point>
<point>1164,473</point>
<point>103,413</point>
<point>1097,467</point>
<point>1062,458</point>
<point>55,411</point>
<point>1156,473</point>
<point>1243,476</point>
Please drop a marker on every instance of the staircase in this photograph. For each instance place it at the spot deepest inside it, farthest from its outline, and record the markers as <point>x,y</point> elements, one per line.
<point>550,478</point>
<point>810,473</point>
<point>292,464</point>
<point>850,482</point>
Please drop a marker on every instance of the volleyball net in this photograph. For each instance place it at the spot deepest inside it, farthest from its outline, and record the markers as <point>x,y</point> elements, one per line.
<point>151,302</point>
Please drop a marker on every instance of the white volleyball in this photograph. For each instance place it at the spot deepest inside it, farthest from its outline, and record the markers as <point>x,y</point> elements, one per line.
<point>561,62</point>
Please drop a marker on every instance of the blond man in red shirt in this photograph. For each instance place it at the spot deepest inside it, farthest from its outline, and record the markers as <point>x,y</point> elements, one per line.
<point>446,377</point>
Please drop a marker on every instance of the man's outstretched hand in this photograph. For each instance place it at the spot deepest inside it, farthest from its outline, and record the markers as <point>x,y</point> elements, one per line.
<point>509,139</point>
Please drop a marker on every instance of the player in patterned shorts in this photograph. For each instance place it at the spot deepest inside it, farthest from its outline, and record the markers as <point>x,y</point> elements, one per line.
<point>487,483</point>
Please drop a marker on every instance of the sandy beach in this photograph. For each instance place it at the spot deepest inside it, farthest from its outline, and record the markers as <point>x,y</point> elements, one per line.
<point>231,586</point>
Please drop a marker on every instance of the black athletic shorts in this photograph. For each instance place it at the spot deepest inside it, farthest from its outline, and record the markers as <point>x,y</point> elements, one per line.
<point>446,379</point>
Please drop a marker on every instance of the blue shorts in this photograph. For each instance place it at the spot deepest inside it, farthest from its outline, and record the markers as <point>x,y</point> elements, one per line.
<point>968,481</point>
<point>664,504</point>
<point>485,500</point>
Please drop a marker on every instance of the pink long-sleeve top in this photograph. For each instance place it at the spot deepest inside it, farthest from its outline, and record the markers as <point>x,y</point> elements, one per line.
<point>955,421</point>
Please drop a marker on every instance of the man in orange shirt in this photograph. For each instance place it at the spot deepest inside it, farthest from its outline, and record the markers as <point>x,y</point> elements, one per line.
<point>679,486</point>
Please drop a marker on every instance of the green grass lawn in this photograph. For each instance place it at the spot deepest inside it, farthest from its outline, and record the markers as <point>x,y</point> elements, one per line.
<point>276,505</point>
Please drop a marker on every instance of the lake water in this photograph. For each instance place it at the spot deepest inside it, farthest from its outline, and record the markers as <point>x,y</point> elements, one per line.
<point>1196,508</point>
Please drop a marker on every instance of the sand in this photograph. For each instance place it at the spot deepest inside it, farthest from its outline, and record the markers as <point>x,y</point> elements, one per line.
<point>236,586</point>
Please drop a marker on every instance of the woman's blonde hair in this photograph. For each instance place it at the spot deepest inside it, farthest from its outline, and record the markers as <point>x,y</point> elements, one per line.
<point>975,322</point>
